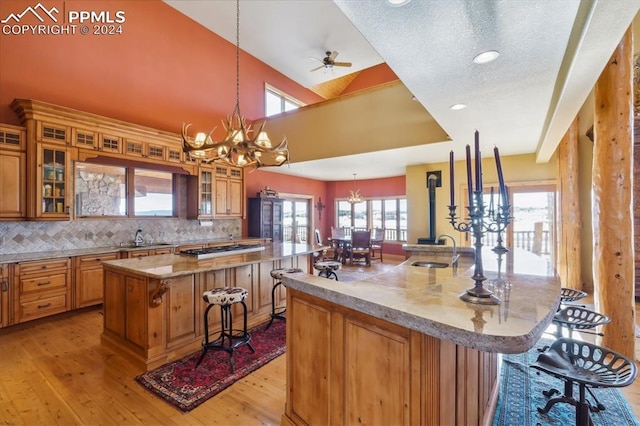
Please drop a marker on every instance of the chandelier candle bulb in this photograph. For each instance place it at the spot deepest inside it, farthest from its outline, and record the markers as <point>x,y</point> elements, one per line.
<point>451,190</point>
<point>469,180</point>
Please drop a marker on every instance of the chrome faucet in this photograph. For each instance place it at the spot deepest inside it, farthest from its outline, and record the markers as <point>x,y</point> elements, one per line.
<point>137,240</point>
<point>455,256</point>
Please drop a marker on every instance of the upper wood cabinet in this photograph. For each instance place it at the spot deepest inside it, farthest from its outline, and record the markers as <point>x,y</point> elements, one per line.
<point>38,167</point>
<point>229,191</point>
<point>12,172</point>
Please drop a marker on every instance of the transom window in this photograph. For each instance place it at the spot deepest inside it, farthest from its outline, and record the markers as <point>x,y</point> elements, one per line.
<point>276,101</point>
<point>387,213</point>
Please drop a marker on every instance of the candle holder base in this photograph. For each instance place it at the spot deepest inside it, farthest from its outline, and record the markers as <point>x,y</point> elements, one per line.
<point>500,249</point>
<point>480,296</point>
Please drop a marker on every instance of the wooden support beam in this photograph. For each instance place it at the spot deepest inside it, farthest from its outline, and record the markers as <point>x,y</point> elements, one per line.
<point>613,256</point>
<point>570,219</point>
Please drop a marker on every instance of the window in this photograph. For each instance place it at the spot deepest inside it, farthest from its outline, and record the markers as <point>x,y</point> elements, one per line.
<point>277,101</point>
<point>153,193</point>
<point>104,190</point>
<point>387,213</point>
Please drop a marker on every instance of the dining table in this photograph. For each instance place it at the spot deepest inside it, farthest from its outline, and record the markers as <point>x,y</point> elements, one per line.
<point>342,246</point>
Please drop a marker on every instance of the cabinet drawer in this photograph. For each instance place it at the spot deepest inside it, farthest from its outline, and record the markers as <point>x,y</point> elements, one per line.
<point>44,265</point>
<point>42,307</point>
<point>43,283</point>
<point>95,261</point>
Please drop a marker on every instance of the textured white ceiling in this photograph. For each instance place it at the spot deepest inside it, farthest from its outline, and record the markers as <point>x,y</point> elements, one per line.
<point>551,54</point>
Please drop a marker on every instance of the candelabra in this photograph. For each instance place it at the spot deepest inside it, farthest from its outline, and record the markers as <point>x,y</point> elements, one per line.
<point>478,224</point>
<point>480,221</point>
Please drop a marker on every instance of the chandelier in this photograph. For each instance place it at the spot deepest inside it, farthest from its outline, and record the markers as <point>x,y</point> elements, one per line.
<point>354,196</point>
<point>242,146</point>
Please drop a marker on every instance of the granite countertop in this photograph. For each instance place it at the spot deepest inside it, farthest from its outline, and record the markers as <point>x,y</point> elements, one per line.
<point>54,254</point>
<point>175,265</point>
<point>426,300</point>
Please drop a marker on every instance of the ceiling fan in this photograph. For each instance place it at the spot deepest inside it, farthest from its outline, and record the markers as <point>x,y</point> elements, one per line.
<point>329,61</point>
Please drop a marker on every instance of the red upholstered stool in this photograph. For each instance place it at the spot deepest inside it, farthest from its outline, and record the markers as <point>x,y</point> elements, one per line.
<point>229,338</point>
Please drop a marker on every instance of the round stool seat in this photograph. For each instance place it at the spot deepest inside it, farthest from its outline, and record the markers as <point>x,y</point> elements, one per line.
<point>330,265</point>
<point>225,295</point>
<point>278,273</point>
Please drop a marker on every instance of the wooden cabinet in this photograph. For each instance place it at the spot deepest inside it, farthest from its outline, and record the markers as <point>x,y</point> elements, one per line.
<point>200,194</point>
<point>229,192</point>
<point>53,193</point>
<point>265,218</point>
<point>42,288</point>
<point>216,192</point>
<point>364,370</point>
<point>89,279</point>
<point>12,172</point>
<point>4,295</point>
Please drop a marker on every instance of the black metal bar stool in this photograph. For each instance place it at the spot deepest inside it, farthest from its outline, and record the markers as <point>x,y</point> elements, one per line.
<point>278,312</point>
<point>327,269</point>
<point>229,338</point>
<point>588,365</point>
<point>578,318</point>
<point>570,295</point>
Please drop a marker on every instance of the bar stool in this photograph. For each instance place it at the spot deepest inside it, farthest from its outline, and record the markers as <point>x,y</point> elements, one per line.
<point>229,338</point>
<point>588,365</point>
<point>570,295</point>
<point>578,318</point>
<point>278,312</point>
<point>327,269</point>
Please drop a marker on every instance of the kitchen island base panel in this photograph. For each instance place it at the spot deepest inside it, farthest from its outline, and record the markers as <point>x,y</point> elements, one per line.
<point>346,367</point>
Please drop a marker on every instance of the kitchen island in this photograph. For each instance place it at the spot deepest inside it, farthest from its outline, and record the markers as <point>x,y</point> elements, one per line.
<point>153,307</point>
<point>402,348</point>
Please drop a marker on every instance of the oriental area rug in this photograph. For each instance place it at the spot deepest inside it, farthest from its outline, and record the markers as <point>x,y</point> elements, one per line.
<point>185,387</point>
<point>521,393</point>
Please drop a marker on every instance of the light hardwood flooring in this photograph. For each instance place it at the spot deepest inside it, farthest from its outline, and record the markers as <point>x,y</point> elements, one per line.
<point>56,372</point>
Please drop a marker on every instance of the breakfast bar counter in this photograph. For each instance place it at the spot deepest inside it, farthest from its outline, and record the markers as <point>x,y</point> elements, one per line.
<point>402,348</point>
<point>153,307</point>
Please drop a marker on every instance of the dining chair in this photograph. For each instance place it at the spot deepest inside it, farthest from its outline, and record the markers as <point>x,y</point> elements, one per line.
<point>361,246</point>
<point>377,239</point>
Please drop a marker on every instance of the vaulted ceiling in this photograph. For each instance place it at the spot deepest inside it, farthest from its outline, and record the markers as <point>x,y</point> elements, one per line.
<point>551,54</point>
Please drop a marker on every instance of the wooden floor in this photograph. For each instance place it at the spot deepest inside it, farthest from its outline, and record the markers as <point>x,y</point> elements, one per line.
<point>56,372</point>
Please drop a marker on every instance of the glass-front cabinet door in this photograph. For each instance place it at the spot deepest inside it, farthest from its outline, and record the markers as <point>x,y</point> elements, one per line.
<point>206,193</point>
<point>53,182</point>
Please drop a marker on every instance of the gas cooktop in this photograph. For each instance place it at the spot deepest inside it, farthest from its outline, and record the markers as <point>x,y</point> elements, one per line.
<point>208,252</point>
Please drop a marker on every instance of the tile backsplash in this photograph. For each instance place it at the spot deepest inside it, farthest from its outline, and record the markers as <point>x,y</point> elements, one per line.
<point>28,236</point>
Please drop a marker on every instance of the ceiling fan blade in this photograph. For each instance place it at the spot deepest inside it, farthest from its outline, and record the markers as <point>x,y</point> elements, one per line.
<point>333,55</point>
<point>316,59</point>
<point>342,64</point>
<point>317,68</point>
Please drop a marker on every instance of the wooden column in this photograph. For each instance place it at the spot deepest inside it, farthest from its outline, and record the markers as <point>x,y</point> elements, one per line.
<point>570,219</point>
<point>613,256</point>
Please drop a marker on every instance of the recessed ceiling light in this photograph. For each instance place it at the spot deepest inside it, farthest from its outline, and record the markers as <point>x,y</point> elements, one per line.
<point>456,107</point>
<point>486,57</point>
<point>398,2</point>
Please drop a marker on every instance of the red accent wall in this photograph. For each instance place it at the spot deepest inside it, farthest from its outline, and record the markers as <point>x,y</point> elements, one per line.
<point>162,70</point>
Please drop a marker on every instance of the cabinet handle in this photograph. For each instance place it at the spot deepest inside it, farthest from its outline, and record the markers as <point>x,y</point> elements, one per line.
<point>5,286</point>
<point>46,305</point>
<point>44,283</point>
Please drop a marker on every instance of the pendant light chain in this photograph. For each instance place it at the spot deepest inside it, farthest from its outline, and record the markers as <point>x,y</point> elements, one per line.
<point>237,110</point>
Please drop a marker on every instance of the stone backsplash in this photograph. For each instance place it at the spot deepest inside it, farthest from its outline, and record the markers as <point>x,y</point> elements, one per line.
<point>25,237</point>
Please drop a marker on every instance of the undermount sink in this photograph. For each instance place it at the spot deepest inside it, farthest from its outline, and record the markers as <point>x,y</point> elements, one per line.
<point>429,264</point>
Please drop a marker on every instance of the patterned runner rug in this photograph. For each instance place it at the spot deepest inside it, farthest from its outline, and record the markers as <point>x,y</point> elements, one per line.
<point>185,387</point>
<point>521,393</point>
